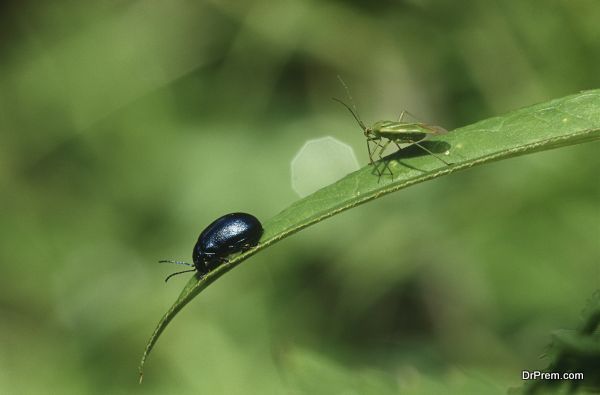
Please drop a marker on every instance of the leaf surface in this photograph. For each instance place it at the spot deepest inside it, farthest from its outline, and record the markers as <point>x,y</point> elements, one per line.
<point>560,122</point>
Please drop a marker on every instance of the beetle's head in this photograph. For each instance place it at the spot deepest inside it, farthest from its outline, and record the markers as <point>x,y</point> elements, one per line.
<point>200,261</point>
<point>197,256</point>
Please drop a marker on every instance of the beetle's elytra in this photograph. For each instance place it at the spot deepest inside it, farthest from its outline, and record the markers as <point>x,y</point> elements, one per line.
<point>226,235</point>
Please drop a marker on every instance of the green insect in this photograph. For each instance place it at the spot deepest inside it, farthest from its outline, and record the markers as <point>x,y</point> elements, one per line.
<point>395,132</point>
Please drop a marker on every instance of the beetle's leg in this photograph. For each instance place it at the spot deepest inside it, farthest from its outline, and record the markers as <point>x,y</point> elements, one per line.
<point>214,263</point>
<point>245,246</point>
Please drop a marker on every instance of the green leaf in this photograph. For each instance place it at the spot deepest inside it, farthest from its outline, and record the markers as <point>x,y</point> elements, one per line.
<point>561,122</point>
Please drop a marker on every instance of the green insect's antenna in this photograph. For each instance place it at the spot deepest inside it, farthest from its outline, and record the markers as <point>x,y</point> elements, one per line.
<point>352,109</point>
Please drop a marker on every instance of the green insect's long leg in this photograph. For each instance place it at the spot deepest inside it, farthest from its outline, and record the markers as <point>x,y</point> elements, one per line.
<point>376,141</point>
<point>404,113</point>
<point>426,150</point>
<point>370,153</point>
<point>371,161</point>
<point>382,148</point>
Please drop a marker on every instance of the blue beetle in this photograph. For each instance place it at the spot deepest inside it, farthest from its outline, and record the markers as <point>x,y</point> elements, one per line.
<point>231,233</point>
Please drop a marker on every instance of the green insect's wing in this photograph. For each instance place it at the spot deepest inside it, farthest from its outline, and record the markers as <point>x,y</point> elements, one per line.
<point>405,131</point>
<point>436,129</point>
<point>406,127</point>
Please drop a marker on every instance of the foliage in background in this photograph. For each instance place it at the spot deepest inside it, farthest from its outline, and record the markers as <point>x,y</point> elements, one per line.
<point>127,126</point>
<point>574,352</point>
<point>558,123</point>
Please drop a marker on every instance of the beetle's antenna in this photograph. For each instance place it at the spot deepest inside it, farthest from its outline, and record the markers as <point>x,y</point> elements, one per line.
<point>174,274</point>
<point>177,262</point>
<point>352,109</point>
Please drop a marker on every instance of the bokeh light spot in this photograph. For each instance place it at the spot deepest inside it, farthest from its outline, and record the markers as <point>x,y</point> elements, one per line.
<point>321,162</point>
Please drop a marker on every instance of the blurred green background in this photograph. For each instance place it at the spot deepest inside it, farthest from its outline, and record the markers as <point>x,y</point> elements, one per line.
<point>127,126</point>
